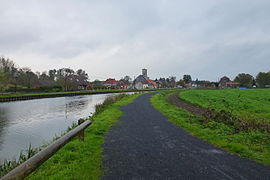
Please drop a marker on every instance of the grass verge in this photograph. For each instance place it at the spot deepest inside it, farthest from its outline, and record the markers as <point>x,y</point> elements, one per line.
<point>252,144</point>
<point>83,160</point>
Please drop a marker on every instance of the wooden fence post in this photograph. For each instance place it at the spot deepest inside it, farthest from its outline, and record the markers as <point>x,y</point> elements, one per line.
<point>81,134</point>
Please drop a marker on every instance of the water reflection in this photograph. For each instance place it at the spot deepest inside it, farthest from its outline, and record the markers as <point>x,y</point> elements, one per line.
<point>3,124</point>
<point>74,106</point>
<point>38,121</point>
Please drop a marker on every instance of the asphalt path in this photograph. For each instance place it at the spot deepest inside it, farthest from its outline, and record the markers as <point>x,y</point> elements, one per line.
<point>145,145</point>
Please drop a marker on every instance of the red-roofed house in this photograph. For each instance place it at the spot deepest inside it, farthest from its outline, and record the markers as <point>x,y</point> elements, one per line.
<point>110,82</point>
<point>152,83</point>
<point>225,82</point>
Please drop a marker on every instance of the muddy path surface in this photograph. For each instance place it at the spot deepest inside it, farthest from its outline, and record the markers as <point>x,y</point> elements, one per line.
<point>145,145</point>
<point>175,100</point>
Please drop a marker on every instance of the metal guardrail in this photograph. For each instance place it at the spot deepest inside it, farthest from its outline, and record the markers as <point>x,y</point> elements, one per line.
<point>34,162</point>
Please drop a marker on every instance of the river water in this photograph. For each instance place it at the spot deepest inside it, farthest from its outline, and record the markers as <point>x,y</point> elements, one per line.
<point>38,121</point>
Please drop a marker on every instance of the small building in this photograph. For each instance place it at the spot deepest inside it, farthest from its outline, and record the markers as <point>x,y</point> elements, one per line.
<point>124,84</point>
<point>223,81</point>
<point>143,81</point>
<point>110,83</point>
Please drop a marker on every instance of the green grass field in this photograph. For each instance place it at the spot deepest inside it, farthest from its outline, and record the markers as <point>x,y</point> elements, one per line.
<point>254,145</point>
<point>248,104</point>
<point>83,160</point>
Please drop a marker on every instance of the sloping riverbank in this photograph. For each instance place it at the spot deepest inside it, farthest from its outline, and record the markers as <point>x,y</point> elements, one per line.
<point>83,160</point>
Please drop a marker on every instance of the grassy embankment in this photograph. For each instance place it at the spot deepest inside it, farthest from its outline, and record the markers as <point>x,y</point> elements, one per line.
<point>83,160</point>
<point>249,105</point>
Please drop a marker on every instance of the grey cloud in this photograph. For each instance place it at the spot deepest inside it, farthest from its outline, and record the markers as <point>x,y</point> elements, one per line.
<point>115,38</point>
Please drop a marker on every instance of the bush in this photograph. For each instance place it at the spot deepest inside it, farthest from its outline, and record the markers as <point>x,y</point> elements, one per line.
<point>46,87</point>
<point>15,88</point>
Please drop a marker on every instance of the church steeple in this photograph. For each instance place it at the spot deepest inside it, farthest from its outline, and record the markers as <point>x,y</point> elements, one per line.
<point>144,73</point>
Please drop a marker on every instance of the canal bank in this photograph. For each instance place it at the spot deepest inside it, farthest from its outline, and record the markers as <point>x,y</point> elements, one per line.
<point>83,160</point>
<point>38,121</point>
<point>29,96</point>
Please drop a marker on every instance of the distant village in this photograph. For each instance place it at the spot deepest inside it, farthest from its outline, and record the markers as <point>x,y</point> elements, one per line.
<point>142,81</point>
<point>14,79</point>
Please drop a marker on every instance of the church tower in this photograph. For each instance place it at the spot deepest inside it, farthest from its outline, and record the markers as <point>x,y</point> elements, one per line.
<point>144,73</point>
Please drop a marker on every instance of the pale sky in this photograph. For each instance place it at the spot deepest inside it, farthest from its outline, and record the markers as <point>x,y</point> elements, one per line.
<point>114,38</point>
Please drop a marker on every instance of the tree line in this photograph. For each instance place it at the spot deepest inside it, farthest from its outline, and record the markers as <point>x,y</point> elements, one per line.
<point>261,80</point>
<point>13,78</point>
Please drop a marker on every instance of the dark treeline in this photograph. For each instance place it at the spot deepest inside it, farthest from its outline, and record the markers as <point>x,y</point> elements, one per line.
<point>13,78</point>
<point>169,82</point>
<point>262,80</point>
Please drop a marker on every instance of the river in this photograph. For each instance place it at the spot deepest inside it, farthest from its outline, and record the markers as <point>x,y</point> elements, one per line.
<point>38,121</point>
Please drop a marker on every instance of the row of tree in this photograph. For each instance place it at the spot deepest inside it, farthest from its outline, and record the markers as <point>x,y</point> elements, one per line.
<point>261,80</point>
<point>13,78</point>
<point>169,82</point>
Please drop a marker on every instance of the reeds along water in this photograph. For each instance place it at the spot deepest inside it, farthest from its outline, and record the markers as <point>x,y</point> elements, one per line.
<point>108,101</point>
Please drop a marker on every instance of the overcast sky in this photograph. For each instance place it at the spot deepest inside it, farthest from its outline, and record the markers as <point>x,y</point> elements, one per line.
<point>114,38</point>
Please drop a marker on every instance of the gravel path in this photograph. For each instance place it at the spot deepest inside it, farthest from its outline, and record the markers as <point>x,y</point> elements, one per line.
<point>144,145</point>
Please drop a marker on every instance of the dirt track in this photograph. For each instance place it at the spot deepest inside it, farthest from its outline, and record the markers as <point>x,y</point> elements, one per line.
<point>173,98</point>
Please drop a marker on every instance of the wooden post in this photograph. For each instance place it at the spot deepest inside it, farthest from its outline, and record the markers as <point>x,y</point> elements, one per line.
<point>81,134</point>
